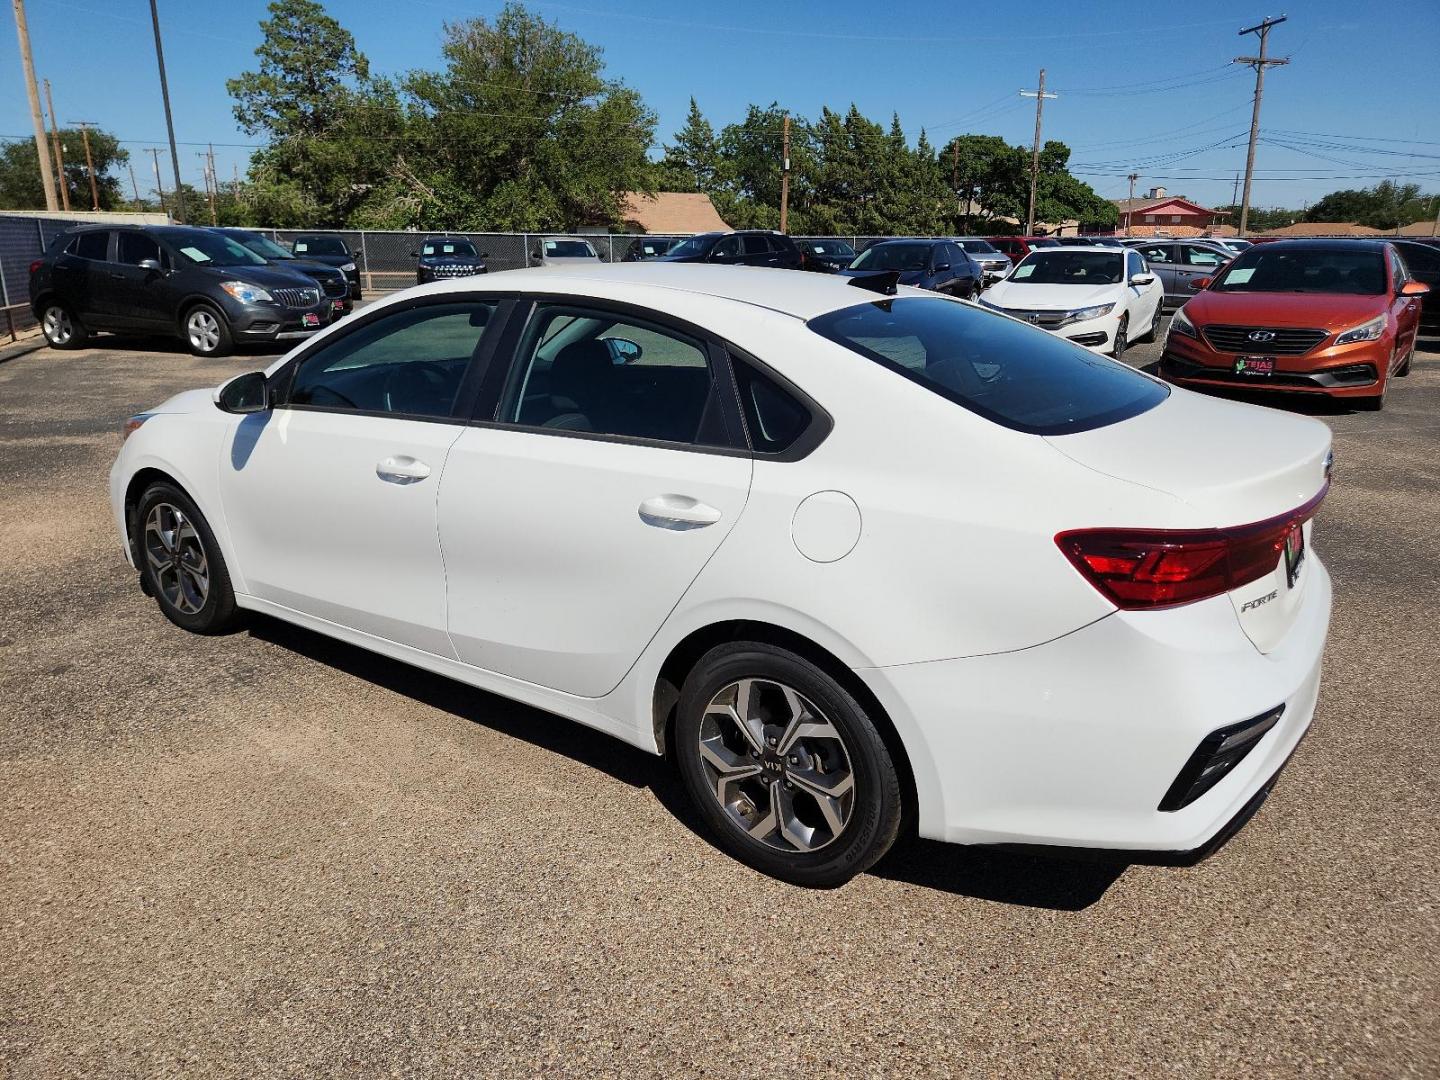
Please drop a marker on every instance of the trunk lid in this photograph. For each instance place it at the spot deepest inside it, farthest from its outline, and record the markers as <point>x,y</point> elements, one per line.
<point>1227,464</point>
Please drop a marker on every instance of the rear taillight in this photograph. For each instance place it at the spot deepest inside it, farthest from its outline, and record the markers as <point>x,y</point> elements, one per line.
<point>1153,568</point>
<point>36,264</point>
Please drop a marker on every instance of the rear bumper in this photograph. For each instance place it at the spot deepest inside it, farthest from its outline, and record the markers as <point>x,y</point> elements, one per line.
<point>1075,743</point>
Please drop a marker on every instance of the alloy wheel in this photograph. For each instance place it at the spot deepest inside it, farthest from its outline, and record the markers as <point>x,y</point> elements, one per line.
<point>776,765</point>
<point>1122,339</point>
<point>58,327</point>
<point>203,329</point>
<point>177,558</point>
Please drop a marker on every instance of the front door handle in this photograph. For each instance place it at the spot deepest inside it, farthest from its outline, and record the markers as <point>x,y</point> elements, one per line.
<point>402,469</point>
<point>677,512</point>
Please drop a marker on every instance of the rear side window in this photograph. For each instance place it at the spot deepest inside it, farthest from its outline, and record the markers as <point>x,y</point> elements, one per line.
<point>774,417</point>
<point>756,244</point>
<point>92,245</point>
<point>1015,375</point>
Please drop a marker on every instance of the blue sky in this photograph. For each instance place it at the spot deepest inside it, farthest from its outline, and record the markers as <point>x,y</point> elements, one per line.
<point>1142,87</point>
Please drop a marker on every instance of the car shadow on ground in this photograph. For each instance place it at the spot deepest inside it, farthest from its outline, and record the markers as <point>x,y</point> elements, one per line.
<point>174,346</point>
<point>983,874</point>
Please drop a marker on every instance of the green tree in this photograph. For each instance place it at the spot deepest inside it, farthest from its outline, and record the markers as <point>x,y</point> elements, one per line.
<point>20,186</point>
<point>1387,205</point>
<point>692,161</point>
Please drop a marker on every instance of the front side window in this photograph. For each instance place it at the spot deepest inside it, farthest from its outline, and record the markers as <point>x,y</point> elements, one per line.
<point>1135,265</point>
<point>1071,268</point>
<point>726,247</point>
<point>1015,375</point>
<point>133,247</point>
<point>409,363</point>
<point>589,370</point>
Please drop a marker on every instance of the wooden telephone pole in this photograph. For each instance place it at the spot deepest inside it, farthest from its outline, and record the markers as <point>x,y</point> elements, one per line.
<point>85,126</point>
<point>47,178</point>
<point>1130,203</point>
<point>1259,63</point>
<point>159,187</point>
<point>1039,95</point>
<point>59,149</point>
<point>169,120</point>
<point>785,178</point>
<point>135,187</point>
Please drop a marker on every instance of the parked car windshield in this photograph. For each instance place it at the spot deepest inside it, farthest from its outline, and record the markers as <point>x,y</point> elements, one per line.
<point>979,247</point>
<point>320,245</point>
<point>1065,267</point>
<point>448,247</point>
<point>211,249</point>
<point>261,245</point>
<point>1015,375</point>
<point>831,247</point>
<point>568,249</point>
<point>1271,268</point>
<point>893,257</point>
<point>696,245</point>
<point>1044,241</point>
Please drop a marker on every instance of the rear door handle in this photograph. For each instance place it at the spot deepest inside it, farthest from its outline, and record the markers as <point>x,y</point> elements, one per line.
<point>402,469</point>
<point>677,512</point>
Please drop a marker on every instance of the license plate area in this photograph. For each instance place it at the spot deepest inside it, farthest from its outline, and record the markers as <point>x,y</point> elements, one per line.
<point>310,318</point>
<point>1254,365</point>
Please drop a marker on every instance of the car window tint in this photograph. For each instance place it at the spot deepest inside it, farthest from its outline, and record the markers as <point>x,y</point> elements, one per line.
<point>1199,256</point>
<point>409,363</point>
<point>1156,253</point>
<point>1135,264</point>
<point>93,245</point>
<point>728,245</point>
<point>755,244</point>
<point>133,247</point>
<point>773,416</point>
<point>1420,259</point>
<point>1015,375</point>
<point>613,375</point>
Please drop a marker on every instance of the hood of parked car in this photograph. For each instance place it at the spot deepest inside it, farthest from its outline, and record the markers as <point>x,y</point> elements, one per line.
<point>329,260</point>
<point>1020,294</point>
<point>307,266</point>
<point>472,261</point>
<point>1321,311</point>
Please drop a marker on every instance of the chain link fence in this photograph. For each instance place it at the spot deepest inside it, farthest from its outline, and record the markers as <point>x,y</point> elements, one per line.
<point>22,240</point>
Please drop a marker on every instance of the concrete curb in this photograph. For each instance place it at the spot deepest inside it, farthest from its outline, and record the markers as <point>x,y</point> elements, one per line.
<point>22,348</point>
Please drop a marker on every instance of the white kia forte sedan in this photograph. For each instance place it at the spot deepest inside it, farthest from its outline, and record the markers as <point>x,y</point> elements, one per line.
<point>1101,297</point>
<point>856,559</point>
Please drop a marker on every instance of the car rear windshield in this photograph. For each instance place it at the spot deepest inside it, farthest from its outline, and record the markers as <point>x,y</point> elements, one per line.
<point>568,249</point>
<point>1066,267</point>
<point>448,247</point>
<point>893,257</point>
<point>261,245</point>
<point>1270,268</point>
<point>1016,375</point>
<point>979,247</point>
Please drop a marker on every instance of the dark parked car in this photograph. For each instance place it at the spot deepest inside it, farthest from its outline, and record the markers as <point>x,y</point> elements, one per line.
<point>1088,241</point>
<point>1423,262</point>
<point>826,255</point>
<point>938,265</point>
<point>331,249</point>
<point>331,279</point>
<point>194,283</point>
<point>751,247</point>
<point>645,248</point>
<point>1017,247</point>
<point>444,257</point>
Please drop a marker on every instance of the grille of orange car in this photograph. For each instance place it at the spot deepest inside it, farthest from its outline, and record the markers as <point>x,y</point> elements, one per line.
<point>1271,340</point>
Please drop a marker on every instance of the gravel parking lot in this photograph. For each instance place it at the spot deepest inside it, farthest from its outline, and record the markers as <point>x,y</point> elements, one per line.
<point>271,854</point>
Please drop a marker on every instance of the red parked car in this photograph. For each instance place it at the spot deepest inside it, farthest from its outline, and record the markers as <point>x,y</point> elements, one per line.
<point>1017,247</point>
<point>1336,317</point>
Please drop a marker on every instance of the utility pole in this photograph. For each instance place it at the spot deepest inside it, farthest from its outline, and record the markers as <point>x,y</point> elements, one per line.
<point>59,150</point>
<point>135,187</point>
<point>84,126</point>
<point>209,184</point>
<point>1039,95</point>
<point>1130,202</point>
<point>1259,63</point>
<point>47,180</point>
<point>169,121</point>
<point>785,177</point>
<point>214,182</point>
<point>159,187</point>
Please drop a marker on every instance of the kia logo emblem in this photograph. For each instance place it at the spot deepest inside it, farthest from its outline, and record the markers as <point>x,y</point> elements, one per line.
<point>1262,335</point>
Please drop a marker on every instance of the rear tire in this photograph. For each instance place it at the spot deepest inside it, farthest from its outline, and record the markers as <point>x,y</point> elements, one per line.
<point>207,332</point>
<point>1153,333</point>
<point>180,562</point>
<point>61,328</point>
<point>784,766</point>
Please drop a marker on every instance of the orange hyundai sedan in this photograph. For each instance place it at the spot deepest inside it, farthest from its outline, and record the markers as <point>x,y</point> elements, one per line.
<point>1336,317</point>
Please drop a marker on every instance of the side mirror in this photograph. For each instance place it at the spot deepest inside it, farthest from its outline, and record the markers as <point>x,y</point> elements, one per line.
<point>1414,288</point>
<point>1141,279</point>
<point>623,351</point>
<point>414,254</point>
<point>248,393</point>
<point>152,265</point>
<point>939,267</point>
<point>1200,283</point>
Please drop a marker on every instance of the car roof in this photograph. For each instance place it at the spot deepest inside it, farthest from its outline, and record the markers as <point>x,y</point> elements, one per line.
<point>1339,243</point>
<point>1109,248</point>
<point>788,292</point>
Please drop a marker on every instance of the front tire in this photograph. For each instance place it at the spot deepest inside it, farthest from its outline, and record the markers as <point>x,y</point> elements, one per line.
<point>784,765</point>
<point>207,331</point>
<point>181,564</point>
<point>1153,333</point>
<point>61,328</point>
<point>1122,341</point>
